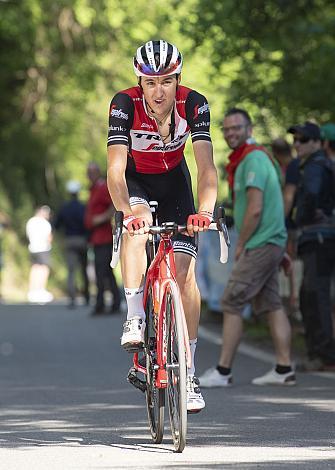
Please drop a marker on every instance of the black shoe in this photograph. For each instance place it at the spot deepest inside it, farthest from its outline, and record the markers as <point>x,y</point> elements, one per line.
<point>98,311</point>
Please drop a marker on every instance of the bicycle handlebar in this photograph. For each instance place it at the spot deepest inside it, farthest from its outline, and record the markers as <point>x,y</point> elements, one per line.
<point>171,227</point>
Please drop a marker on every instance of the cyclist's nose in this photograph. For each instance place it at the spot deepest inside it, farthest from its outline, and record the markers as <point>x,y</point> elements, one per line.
<point>159,90</point>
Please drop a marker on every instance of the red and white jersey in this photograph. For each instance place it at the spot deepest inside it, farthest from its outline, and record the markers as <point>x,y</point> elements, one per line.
<point>131,125</point>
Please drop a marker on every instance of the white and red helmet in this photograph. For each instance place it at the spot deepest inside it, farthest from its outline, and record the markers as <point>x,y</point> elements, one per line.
<point>157,59</point>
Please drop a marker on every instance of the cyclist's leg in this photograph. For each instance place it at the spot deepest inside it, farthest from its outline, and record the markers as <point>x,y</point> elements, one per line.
<point>185,271</point>
<point>133,254</point>
<point>133,266</point>
<point>185,267</point>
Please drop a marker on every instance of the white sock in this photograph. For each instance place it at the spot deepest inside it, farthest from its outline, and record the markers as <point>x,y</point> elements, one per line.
<point>193,346</point>
<point>134,298</point>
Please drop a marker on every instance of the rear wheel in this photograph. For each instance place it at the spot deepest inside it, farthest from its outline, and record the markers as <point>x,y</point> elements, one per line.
<point>155,397</point>
<point>176,368</point>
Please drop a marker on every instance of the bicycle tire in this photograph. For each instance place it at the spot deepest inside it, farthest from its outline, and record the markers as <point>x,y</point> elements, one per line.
<point>176,367</point>
<point>155,397</point>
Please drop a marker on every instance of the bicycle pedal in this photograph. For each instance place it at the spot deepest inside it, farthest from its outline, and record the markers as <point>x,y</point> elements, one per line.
<point>135,381</point>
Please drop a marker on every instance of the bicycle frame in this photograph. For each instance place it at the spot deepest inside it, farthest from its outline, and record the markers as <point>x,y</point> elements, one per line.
<point>166,350</point>
<point>161,273</point>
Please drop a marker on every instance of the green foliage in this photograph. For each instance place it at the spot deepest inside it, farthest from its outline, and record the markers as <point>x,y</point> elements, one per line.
<point>61,62</point>
<point>283,50</point>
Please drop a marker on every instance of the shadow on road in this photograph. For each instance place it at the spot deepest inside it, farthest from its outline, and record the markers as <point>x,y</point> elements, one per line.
<point>62,384</point>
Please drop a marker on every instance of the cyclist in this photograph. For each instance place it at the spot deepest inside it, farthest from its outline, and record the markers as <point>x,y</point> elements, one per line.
<point>148,128</point>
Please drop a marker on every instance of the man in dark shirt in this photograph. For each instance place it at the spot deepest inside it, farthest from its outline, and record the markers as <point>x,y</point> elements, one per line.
<point>316,243</point>
<point>70,219</point>
<point>99,212</point>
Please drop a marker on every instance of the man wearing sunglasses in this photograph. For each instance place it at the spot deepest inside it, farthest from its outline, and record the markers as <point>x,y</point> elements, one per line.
<point>315,202</point>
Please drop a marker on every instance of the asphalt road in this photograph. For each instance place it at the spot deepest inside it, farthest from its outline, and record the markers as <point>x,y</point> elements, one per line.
<point>65,404</point>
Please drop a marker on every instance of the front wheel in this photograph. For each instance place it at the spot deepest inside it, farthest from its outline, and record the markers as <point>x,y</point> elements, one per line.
<point>176,368</point>
<point>155,397</point>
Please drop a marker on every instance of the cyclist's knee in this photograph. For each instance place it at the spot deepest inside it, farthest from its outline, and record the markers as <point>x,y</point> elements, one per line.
<point>185,271</point>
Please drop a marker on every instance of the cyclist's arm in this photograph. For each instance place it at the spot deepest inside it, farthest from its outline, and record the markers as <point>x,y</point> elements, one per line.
<point>207,175</point>
<point>121,115</point>
<point>116,180</point>
<point>198,118</point>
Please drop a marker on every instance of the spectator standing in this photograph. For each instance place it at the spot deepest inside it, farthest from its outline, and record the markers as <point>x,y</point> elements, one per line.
<point>316,244</point>
<point>70,219</point>
<point>99,212</point>
<point>328,144</point>
<point>328,140</point>
<point>259,219</point>
<point>39,234</point>
<point>281,151</point>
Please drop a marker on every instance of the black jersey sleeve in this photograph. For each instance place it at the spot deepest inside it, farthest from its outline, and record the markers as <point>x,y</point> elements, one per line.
<point>198,116</point>
<point>121,116</point>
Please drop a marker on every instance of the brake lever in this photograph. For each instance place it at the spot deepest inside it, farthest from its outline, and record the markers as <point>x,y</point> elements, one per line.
<point>118,230</point>
<point>221,224</point>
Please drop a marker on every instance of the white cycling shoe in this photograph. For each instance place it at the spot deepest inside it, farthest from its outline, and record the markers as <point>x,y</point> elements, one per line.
<point>195,401</point>
<point>132,339</point>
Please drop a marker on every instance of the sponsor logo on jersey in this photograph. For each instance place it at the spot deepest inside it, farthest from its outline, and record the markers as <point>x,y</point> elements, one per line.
<point>116,128</point>
<point>146,126</point>
<point>151,142</point>
<point>118,113</point>
<point>202,124</point>
<point>200,110</point>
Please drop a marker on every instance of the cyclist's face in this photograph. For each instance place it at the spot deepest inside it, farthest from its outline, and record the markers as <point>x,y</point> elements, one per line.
<point>160,92</point>
<point>236,130</point>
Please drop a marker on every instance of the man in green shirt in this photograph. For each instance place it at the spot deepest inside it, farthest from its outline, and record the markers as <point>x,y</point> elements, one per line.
<point>259,219</point>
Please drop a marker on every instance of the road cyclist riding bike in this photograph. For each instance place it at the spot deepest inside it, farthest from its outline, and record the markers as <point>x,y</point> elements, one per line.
<point>148,128</point>
<point>166,352</point>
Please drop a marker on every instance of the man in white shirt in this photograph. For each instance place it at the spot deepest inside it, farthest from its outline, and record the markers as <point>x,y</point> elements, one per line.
<point>39,233</point>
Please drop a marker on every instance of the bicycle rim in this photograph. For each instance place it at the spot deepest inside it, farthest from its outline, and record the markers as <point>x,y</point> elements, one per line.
<point>176,366</point>
<point>155,397</point>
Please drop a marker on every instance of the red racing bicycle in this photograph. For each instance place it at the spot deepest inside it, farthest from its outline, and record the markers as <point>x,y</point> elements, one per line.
<point>166,353</point>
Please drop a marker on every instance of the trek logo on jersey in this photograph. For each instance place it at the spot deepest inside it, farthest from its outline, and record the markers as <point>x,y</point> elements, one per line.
<point>118,113</point>
<point>152,142</point>
<point>200,110</point>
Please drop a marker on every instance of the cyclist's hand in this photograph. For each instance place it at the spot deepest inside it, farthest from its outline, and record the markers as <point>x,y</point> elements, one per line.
<point>198,222</point>
<point>136,225</point>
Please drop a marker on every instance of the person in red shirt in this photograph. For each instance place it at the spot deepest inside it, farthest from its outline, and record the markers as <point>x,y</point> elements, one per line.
<point>99,211</point>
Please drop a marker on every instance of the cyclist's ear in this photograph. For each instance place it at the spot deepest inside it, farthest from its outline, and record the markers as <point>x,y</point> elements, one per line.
<point>178,78</point>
